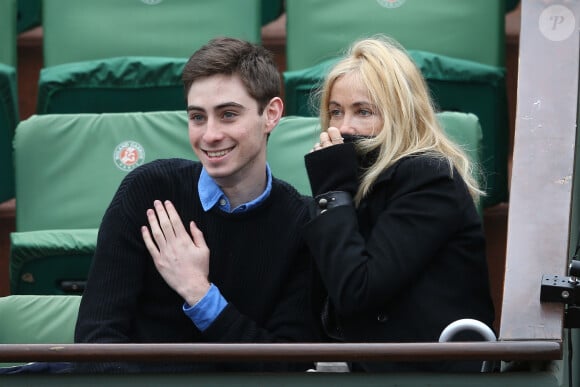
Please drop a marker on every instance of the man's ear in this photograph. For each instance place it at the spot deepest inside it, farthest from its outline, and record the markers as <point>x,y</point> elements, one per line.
<point>273,113</point>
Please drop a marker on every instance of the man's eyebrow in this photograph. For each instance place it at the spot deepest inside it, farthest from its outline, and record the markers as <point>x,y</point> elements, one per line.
<point>193,107</point>
<point>217,107</point>
<point>229,105</point>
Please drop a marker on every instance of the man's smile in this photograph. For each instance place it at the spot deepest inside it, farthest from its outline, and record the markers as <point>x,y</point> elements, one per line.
<point>218,153</point>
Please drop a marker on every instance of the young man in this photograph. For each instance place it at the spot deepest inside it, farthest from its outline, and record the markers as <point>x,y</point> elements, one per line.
<point>205,252</point>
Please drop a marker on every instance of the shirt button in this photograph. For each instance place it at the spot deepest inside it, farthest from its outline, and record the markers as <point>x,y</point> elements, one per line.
<point>382,317</point>
<point>222,202</point>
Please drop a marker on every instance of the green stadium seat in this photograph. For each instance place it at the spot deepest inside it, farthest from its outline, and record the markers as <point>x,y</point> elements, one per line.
<point>8,121</point>
<point>9,117</point>
<point>317,30</point>
<point>82,30</point>
<point>131,49</point>
<point>38,319</point>
<point>51,261</point>
<point>83,165</point>
<point>456,85</point>
<point>288,143</point>
<point>8,32</point>
<point>114,85</point>
<point>62,190</point>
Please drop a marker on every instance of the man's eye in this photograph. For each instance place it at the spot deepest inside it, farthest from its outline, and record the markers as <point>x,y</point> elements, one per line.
<point>229,115</point>
<point>196,117</point>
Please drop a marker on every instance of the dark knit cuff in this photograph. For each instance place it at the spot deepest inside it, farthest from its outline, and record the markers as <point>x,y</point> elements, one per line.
<point>333,169</point>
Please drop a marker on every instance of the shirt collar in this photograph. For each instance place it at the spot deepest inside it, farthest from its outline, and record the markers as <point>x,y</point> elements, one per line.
<point>211,194</point>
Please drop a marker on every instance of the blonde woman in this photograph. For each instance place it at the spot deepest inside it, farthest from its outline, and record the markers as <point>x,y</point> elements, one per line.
<point>396,236</point>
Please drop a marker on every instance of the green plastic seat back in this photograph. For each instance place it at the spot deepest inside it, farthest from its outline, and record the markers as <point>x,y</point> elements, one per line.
<point>51,261</point>
<point>81,30</point>
<point>69,166</point>
<point>8,121</point>
<point>8,32</point>
<point>295,136</point>
<point>464,129</point>
<point>111,56</point>
<point>456,85</point>
<point>317,30</point>
<point>113,85</point>
<point>33,319</point>
<point>292,138</point>
<point>8,96</point>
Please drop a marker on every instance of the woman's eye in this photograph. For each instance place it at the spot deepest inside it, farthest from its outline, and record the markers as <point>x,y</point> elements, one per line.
<point>334,112</point>
<point>364,112</point>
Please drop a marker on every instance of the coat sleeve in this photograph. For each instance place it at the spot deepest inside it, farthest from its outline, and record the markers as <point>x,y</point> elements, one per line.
<point>422,211</point>
<point>333,169</point>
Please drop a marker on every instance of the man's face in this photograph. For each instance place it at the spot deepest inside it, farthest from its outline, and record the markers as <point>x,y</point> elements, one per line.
<point>225,130</point>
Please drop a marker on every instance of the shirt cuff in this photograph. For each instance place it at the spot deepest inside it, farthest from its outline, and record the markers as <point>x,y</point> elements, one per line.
<point>207,309</point>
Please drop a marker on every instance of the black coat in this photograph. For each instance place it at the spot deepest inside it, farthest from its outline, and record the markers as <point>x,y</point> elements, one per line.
<point>407,262</point>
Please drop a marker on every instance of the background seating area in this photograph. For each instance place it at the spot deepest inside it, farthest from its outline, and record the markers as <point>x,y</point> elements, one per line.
<point>56,232</point>
<point>534,343</point>
<point>273,35</point>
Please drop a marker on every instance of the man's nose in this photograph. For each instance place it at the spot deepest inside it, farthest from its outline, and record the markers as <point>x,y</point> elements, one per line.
<point>213,130</point>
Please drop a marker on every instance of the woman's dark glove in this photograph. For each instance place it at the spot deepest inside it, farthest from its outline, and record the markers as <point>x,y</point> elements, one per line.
<point>334,168</point>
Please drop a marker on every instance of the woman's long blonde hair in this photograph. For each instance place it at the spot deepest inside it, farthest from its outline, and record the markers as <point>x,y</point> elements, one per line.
<point>398,90</point>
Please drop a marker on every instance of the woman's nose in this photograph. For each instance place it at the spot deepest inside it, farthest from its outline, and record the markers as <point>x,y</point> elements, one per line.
<point>346,127</point>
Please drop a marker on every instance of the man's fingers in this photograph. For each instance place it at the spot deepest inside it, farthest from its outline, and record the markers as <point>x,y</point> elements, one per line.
<point>197,235</point>
<point>164,222</point>
<point>151,246</point>
<point>156,231</point>
<point>176,222</point>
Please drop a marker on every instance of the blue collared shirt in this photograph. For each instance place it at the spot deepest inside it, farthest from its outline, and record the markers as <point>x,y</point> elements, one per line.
<point>211,305</point>
<point>211,194</point>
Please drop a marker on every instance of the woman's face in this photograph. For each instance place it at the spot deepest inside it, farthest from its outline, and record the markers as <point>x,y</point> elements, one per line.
<point>350,109</point>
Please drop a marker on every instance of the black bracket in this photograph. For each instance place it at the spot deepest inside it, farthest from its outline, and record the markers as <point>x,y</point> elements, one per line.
<point>566,290</point>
